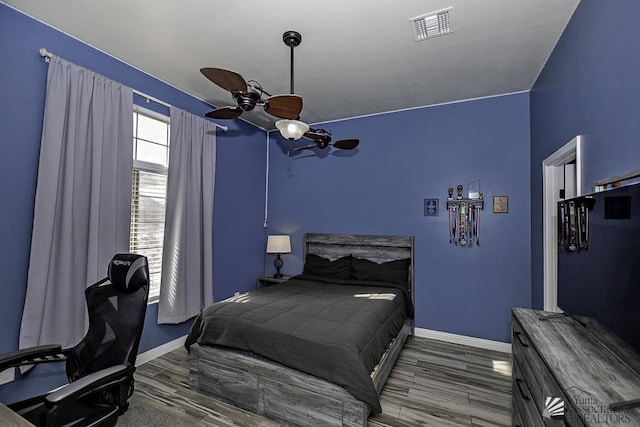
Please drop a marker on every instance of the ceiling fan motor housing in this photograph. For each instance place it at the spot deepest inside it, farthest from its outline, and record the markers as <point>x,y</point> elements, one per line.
<point>246,100</point>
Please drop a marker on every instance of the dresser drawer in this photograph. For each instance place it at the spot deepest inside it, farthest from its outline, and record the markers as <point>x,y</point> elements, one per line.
<point>517,419</point>
<point>524,407</point>
<point>540,382</point>
<point>531,367</point>
<point>535,374</point>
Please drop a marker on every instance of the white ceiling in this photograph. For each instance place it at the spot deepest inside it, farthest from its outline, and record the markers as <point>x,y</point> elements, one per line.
<point>357,57</point>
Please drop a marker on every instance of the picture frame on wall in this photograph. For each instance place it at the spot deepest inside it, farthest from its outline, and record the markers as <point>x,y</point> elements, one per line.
<point>500,204</point>
<point>431,207</point>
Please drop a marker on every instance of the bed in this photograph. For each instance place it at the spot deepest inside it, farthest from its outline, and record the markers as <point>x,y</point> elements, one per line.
<point>318,348</point>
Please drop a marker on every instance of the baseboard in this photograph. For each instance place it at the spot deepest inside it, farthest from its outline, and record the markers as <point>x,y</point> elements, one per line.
<point>502,347</point>
<point>160,350</point>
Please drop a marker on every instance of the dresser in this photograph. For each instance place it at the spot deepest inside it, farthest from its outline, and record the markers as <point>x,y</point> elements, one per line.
<point>567,374</point>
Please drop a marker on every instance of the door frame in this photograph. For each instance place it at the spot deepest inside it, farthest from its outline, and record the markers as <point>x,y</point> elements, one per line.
<point>573,150</point>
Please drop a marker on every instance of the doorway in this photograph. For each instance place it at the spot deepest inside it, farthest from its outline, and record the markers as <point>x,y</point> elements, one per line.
<point>560,171</point>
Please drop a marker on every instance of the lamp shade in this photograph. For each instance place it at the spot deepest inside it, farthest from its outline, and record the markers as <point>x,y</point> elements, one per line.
<point>279,244</point>
<point>292,129</point>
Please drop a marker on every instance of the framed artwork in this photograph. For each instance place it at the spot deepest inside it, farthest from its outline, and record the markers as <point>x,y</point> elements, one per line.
<point>500,204</point>
<point>430,207</point>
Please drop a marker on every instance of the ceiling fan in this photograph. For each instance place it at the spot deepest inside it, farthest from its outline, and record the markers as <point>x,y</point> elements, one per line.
<point>294,129</point>
<point>322,139</point>
<point>248,95</point>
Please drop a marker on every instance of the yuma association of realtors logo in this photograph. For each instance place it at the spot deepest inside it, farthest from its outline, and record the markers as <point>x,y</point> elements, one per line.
<point>553,408</point>
<point>587,407</point>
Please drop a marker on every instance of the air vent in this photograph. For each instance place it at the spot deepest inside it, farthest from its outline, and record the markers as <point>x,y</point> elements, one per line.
<point>432,24</point>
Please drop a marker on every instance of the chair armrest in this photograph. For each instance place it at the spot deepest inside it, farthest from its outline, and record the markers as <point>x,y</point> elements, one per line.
<point>96,381</point>
<point>31,355</point>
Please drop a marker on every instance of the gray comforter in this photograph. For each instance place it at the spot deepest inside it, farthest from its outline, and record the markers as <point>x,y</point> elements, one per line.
<point>336,330</point>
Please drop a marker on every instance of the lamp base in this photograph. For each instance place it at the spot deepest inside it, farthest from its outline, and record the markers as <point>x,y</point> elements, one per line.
<point>278,263</point>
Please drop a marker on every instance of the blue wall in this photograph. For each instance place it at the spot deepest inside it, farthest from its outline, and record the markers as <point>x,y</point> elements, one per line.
<point>403,158</point>
<point>589,86</point>
<point>240,171</point>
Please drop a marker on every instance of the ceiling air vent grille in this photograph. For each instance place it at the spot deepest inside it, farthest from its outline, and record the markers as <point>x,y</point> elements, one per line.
<point>432,24</point>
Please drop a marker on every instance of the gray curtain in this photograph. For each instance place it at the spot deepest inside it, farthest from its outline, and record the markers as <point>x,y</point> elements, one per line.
<point>186,286</point>
<point>83,200</point>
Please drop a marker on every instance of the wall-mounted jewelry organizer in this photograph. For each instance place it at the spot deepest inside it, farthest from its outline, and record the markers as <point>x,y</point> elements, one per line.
<point>464,218</point>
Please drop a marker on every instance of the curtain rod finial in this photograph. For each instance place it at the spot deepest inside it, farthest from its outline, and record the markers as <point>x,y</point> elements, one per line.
<point>45,53</point>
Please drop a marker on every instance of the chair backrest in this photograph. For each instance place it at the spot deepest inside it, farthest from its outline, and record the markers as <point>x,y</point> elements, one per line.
<point>116,306</point>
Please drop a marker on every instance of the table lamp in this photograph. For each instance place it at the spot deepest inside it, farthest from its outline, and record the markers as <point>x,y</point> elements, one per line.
<point>278,244</point>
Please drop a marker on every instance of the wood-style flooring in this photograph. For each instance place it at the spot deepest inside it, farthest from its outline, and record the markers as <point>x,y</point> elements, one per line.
<point>433,384</point>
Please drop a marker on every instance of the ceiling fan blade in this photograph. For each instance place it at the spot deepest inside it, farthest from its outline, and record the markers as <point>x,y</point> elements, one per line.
<point>284,106</point>
<point>225,113</point>
<point>346,144</point>
<point>226,79</point>
<point>304,147</point>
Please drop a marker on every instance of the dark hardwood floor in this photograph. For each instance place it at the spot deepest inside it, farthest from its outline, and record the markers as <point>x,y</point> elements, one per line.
<point>433,384</point>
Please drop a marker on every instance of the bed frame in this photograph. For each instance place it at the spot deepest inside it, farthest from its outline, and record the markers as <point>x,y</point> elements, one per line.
<point>287,395</point>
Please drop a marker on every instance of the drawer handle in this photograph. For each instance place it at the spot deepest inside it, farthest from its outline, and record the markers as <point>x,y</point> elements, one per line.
<point>520,340</point>
<point>522,393</point>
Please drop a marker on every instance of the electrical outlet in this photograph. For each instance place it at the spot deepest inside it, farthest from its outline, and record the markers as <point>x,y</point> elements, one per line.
<point>7,375</point>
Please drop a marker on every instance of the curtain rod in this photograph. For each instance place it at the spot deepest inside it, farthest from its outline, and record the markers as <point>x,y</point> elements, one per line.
<point>47,56</point>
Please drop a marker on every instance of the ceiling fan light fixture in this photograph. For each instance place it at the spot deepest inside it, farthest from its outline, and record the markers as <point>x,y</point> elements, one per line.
<point>292,129</point>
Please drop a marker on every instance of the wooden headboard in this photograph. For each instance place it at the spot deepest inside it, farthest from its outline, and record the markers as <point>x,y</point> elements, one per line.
<point>372,247</point>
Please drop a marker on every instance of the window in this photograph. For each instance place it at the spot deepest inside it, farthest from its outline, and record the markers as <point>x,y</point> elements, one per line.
<point>149,190</point>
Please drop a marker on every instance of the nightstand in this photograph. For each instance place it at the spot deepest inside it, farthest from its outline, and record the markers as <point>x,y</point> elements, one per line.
<point>265,281</point>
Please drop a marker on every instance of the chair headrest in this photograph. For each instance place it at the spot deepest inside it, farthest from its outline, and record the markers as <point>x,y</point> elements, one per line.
<point>128,272</point>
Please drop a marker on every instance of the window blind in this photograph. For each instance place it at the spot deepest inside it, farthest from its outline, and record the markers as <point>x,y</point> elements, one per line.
<point>148,207</point>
